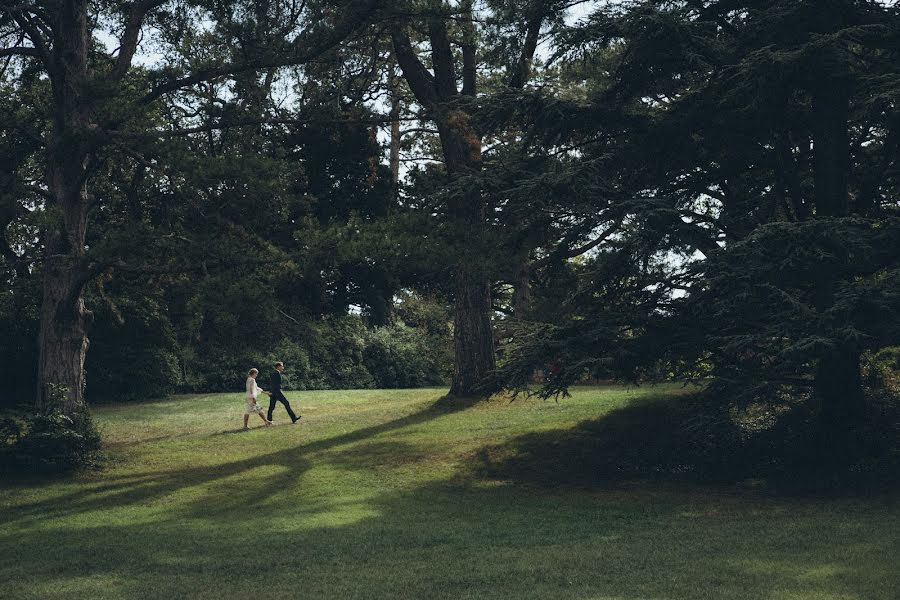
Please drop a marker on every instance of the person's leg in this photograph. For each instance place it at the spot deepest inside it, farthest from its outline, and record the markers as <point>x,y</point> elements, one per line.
<point>265,420</point>
<point>246,419</point>
<point>287,407</point>
<point>272,399</point>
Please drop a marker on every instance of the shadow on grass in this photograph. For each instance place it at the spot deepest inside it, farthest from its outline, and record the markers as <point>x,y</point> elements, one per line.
<point>445,541</point>
<point>686,439</point>
<point>648,439</point>
<point>291,464</point>
<point>440,539</point>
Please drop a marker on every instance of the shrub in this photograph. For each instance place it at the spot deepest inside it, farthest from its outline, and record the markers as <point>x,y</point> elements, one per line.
<point>299,373</point>
<point>54,442</point>
<point>401,357</point>
<point>50,441</point>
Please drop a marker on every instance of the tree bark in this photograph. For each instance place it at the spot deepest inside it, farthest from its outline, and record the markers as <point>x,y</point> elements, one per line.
<point>395,134</point>
<point>473,336</point>
<point>63,340</point>
<point>521,299</point>
<point>838,385</point>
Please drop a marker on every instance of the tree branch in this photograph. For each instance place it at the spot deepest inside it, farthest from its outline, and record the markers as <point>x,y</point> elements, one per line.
<point>128,43</point>
<point>573,252</point>
<point>36,40</point>
<point>441,54</point>
<point>248,123</point>
<point>420,81</point>
<point>20,51</point>
<point>470,67</point>
<point>304,49</point>
<point>529,46</point>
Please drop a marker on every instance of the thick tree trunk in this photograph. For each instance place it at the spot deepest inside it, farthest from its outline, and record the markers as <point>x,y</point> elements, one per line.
<point>63,338</point>
<point>831,147</point>
<point>473,337</point>
<point>461,147</point>
<point>838,385</point>
<point>395,137</point>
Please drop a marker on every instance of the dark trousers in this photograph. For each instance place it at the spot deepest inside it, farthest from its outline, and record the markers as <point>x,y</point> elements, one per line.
<point>279,397</point>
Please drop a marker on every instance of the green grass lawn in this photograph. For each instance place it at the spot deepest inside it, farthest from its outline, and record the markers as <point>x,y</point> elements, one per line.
<point>378,494</point>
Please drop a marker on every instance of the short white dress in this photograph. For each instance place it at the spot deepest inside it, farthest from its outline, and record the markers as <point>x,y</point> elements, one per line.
<point>253,391</point>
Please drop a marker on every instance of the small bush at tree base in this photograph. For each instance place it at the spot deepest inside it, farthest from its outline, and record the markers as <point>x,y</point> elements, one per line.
<point>49,442</point>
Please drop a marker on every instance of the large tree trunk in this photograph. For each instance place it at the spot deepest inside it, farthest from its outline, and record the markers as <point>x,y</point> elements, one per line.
<point>63,338</point>
<point>395,134</point>
<point>838,385</point>
<point>473,337</point>
<point>63,341</point>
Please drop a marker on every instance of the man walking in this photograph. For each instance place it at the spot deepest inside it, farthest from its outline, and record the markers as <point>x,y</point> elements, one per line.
<point>276,395</point>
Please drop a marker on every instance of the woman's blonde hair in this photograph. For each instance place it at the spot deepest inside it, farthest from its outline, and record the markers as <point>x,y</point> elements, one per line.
<point>253,371</point>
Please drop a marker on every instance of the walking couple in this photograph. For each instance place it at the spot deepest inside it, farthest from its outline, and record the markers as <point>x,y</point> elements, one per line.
<point>275,395</point>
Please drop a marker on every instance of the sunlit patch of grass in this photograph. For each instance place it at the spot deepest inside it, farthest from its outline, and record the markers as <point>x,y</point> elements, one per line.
<point>382,494</point>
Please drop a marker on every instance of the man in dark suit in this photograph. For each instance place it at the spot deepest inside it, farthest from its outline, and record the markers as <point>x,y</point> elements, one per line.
<point>276,395</point>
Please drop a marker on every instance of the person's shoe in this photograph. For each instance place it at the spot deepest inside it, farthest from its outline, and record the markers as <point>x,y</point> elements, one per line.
<point>297,420</point>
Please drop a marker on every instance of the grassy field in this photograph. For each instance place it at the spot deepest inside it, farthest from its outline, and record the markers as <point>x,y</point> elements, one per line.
<point>380,494</point>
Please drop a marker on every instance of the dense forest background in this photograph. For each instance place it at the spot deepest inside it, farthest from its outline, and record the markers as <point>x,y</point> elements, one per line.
<point>490,195</point>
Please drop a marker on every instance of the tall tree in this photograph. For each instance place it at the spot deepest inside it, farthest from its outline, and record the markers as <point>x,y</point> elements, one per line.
<point>441,92</point>
<point>98,98</point>
<point>759,241</point>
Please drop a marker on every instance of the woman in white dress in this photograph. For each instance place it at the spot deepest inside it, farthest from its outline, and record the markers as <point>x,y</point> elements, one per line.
<point>253,391</point>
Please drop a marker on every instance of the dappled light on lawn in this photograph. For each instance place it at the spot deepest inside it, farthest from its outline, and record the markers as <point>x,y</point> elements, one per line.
<point>387,494</point>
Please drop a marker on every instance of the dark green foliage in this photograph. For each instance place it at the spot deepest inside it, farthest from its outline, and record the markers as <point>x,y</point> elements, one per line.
<point>750,151</point>
<point>760,301</point>
<point>401,357</point>
<point>134,351</point>
<point>49,441</point>
<point>18,346</point>
<point>54,442</point>
<point>337,353</point>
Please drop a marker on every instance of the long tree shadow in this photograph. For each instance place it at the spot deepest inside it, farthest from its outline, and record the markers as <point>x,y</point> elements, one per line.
<point>452,541</point>
<point>446,538</point>
<point>144,487</point>
<point>652,438</point>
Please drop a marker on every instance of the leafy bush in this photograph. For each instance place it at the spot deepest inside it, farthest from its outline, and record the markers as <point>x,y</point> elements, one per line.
<point>50,441</point>
<point>341,353</point>
<point>133,353</point>
<point>336,348</point>
<point>54,442</point>
<point>299,373</point>
<point>400,357</point>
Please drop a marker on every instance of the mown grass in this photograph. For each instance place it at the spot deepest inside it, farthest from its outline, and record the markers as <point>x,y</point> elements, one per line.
<point>391,494</point>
